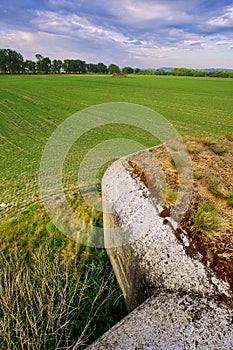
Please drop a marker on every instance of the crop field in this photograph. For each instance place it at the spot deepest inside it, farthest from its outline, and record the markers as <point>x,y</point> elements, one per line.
<point>33,106</point>
<point>34,252</point>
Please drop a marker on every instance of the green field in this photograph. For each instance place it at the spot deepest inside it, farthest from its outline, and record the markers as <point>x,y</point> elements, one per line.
<point>35,256</point>
<point>32,107</point>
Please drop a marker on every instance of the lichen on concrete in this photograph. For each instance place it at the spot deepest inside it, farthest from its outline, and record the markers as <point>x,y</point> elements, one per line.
<point>176,302</point>
<point>172,321</point>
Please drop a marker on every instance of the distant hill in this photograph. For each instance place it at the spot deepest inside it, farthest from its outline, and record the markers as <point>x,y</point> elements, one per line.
<point>164,68</point>
<point>215,69</point>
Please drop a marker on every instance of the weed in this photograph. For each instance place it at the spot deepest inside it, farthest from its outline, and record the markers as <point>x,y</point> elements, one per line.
<point>207,141</point>
<point>214,187</point>
<point>208,221</point>
<point>194,150</point>
<point>218,149</point>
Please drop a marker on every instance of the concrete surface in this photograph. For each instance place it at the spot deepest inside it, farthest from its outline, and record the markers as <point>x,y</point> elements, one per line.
<point>175,302</point>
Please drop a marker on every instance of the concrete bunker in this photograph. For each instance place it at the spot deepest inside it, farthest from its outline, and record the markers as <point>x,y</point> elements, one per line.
<point>174,299</point>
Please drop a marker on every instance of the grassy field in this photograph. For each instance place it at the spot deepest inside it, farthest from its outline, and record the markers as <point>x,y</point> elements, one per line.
<point>35,256</point>
<point>32,107</point>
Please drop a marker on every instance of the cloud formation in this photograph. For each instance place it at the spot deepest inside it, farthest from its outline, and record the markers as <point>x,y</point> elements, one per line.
<point>143,33</point>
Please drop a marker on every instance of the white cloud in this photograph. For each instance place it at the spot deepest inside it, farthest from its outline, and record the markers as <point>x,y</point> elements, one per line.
<point>9,38</point>
<point>143,12</point>
<point>58,3</point>
<point>76,26</point>
<point>226,20</point>
<point>31,43</point>
<point>222,42</point>
<point>140,33</point>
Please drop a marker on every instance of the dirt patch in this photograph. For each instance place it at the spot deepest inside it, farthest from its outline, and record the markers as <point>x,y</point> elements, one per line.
<point>212,163</point>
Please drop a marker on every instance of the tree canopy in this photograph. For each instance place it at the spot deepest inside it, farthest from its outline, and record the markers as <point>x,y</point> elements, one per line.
<point>12,62</point>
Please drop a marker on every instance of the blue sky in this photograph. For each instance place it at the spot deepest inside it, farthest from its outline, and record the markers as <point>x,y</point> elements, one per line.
<point>137,33</point>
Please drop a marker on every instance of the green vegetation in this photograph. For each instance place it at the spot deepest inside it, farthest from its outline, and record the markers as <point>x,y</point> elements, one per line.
<point>50,300</point>
<point>216,188</point>
<point>32,106</point>
<point>54,293</point>
<point>215,146</point>
<point>208,221</point>
<point>187,72</point>
<point>12,62</point>
<point>171,196</point>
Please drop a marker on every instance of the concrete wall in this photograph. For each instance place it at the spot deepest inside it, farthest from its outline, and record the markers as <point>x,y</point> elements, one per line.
<point>179,302</point>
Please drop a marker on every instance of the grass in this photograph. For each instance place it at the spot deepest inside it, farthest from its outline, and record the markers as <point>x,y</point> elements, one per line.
<point>208,221</point>
<point>214,187</point>
<point>33,106</point>
<point>218,149</point>
<point>171,196</point>
<point>78,296</point>
<point>216,146</point>
<point>51,300</point>
<point>54,293</point>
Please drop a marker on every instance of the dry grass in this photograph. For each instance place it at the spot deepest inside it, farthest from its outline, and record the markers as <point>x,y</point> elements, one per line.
<point>51,301</point>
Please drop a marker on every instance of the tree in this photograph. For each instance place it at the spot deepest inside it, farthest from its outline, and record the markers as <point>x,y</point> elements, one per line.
<point>56,66</point>
<point>74,66</point>
<point>102,68</point>
<point>92,68</point>
<point>113,69</point>
<point>137,70</point>
<point>43,64</point>
<point>127,70</point>
<point>11,61</point>
<point>30,66</point>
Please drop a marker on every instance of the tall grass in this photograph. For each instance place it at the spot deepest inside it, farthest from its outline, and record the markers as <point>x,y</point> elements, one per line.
<point>52,301</point>
<point>54,293</point>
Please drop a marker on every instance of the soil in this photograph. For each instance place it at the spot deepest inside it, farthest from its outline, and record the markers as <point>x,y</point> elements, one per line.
<point>212,163</point>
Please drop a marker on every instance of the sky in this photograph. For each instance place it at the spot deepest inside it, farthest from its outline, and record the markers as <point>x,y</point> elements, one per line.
<point>136,33</point>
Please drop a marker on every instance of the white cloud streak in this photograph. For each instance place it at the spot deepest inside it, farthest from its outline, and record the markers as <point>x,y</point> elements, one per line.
<point>129,32</point>
<point>225,20</point>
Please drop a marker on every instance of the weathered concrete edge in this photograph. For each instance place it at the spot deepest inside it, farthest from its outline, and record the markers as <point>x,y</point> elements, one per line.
<point>172,321</point>
<point>173,276</point>
<point>134,232</point>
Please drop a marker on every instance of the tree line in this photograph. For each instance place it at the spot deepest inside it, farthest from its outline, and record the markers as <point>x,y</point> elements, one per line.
<point>12,62</point>
<point>189,72</point>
